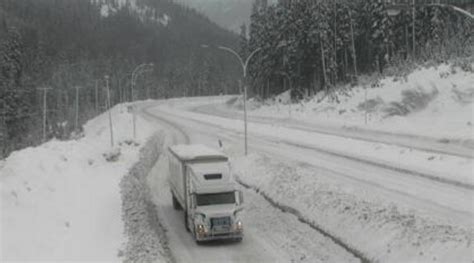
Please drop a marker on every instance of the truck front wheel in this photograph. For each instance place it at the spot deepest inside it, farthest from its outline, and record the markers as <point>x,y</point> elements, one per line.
<point>186,222</point>
<point>176,204</point>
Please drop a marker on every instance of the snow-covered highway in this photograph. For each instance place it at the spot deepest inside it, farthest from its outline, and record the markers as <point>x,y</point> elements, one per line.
<point>271,235</point>
<point>309,197</point>
<point>405,206</point>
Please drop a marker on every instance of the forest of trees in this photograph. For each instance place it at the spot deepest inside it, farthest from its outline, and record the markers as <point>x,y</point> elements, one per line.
<point>69,46</point>
<point>318,44</point>
<point>64,44</point>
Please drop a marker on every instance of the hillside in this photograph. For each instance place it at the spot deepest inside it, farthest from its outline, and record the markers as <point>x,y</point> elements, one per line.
<point>67,44</point>
<point>229,14</point>
<point>435,103</point>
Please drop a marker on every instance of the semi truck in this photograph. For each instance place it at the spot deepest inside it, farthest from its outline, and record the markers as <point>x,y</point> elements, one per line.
<point>202,186</point>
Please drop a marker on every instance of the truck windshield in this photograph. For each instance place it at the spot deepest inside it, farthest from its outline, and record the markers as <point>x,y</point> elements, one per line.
<point>215,199</point>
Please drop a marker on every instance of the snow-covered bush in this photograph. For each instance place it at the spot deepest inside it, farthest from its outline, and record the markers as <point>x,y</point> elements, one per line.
<point>112,155</point>
<point>412,100</point>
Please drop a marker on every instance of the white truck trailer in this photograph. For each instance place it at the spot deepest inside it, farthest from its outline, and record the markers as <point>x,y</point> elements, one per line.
<point>202,186</point>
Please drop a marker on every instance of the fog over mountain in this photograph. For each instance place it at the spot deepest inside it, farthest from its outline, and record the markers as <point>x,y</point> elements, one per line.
<point>230,14</point>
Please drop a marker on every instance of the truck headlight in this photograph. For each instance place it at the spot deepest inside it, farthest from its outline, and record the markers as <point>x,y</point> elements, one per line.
<point>239,226</point>
<point>201,229</point>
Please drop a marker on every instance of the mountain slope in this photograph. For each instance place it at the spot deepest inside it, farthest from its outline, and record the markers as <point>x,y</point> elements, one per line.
<point>229,14</point>
<point>64,44</point>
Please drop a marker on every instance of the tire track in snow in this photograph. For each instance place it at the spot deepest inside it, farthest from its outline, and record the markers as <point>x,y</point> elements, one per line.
<point>286,209</point>
<point>380,164</point>
<point>438,146</point>
<point>187,140</point>
<point>357,159</point>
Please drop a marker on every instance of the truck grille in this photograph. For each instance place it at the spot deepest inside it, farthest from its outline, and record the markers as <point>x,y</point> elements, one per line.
<point>219,222</point>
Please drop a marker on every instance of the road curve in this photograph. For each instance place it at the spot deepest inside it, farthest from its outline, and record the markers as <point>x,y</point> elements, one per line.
<point>271,235</point>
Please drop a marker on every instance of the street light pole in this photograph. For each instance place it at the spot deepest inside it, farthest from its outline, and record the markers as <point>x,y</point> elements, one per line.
<point>134,73</point>
<point>110,111</point>
<point>97,96</point>
<point>45,94</point>
<point>244,65</point>
<point>76,122</point>
<point>134,76</point>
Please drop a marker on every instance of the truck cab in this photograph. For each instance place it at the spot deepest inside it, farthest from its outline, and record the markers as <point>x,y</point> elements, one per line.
<point>202,185</point>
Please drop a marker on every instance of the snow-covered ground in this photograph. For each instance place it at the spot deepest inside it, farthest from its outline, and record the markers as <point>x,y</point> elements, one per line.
<point>270,234</point>
<point>370,220</point>
<point>390,203</point>
<point>312,195</point>
<point>430,102</point>
<point>438,166</point>
<point>61,201</point>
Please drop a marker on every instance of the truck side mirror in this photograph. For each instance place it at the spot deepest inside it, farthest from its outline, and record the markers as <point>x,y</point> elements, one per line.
<point>193,200</point>
<point>241,197</point>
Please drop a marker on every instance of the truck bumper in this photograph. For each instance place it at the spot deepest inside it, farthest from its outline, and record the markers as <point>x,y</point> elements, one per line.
<point>219,236</point>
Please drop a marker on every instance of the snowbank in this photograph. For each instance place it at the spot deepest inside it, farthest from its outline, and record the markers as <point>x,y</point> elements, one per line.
<point>383,231</point>
<point>457,170</point>
<point>147,239</point>
<point>432,102</point>
<point>61,200</point>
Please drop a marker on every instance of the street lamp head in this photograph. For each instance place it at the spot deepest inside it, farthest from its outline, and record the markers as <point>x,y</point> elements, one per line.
<point>204,46</point>
<point>106,77</point>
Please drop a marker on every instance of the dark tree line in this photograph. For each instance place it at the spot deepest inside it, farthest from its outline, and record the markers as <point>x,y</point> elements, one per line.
<point>64,44</point>
<point>316,45</point>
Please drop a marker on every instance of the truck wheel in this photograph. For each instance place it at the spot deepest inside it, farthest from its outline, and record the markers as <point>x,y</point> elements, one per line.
<point>186,222</point>
<point>176,204</point>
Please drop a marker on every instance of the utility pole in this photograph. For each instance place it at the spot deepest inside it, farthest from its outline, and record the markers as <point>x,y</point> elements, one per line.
<point>109,108</point>
<point>323,63</point>
<point>365,103</point>
<point>353,45</point>
<point>97,95</point>
<point>76,123</point>
<point>4,130</point>
<point>119,82</point>
<point>413,28</point>
<point>45,96</point>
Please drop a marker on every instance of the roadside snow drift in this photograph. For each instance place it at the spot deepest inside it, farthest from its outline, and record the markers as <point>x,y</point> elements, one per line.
<point>384,231</point>
<point>61,200</point>
<point>431,102</point>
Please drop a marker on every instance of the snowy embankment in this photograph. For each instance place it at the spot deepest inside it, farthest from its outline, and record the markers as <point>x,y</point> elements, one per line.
<point>441,167</point>
<point>61,200</point>
<point>147,239</point>
<point>381,231</point>
<point>435,102</point>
